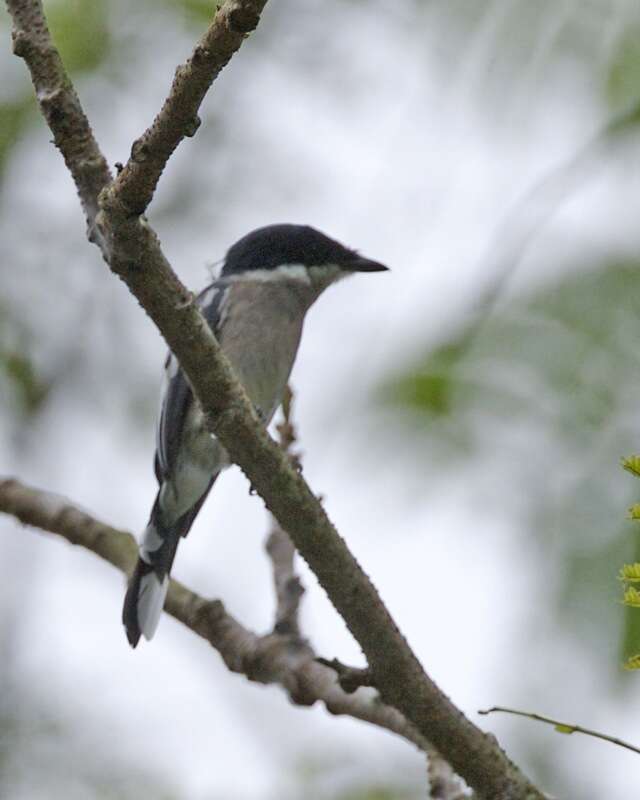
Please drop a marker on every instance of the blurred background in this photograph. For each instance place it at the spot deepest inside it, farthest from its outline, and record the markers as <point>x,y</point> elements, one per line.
<point>463,416</point>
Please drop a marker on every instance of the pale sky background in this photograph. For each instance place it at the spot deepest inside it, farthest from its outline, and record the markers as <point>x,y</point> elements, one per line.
<point>407,130</point>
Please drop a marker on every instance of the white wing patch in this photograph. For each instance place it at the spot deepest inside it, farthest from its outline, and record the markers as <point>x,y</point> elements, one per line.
<point>151,542</point>
<point>207,296</point>
<point>172,367</point>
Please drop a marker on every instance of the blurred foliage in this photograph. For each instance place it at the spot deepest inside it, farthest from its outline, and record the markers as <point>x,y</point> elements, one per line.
<point>623,78</point>
<point>80,31</point>
<point>18,374</point>
<point>29,389</point>
<point>13,117</point>
<point>572,342</point>
<point>197,12</point>
<point>331,775</point>
<point>547,385</point>
<point>44,751</point>
<point>67,766</point>
<point>379,793</point>
<point>630,573</point>
<point>388,790</point>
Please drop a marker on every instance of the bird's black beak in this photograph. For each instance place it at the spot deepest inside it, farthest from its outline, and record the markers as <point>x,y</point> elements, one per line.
<point>359,264</point>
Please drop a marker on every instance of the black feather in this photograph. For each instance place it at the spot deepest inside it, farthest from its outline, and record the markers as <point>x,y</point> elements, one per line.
<point>178,396</point>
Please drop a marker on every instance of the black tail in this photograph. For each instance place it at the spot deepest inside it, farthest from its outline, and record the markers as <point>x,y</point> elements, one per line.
<point>144,600</point>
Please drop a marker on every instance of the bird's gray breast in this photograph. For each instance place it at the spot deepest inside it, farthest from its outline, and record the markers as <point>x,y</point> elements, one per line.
<point>260,332</point>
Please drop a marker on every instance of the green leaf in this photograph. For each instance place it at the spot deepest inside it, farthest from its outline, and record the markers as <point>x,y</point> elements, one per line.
<point>632,464</point>
<point>562,728</point>
<point>630,573</point>
<point>630,645</point>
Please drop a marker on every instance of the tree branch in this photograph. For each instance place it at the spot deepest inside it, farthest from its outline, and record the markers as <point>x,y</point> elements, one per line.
<point>279,547</point>
<point>288,588</point>
<point>444,784</point>
<point>349,678</point>
<point>133,253</point>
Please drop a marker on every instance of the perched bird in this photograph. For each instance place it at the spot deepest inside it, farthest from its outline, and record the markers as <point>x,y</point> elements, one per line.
<point>256,309</point>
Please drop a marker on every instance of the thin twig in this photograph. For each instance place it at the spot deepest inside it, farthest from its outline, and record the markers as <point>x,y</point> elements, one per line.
<point>563,727</point>
<point>287,584</point>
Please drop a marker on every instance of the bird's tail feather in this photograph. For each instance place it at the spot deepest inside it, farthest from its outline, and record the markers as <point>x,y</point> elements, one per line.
<point>149,582</point>
<point>144,602</point>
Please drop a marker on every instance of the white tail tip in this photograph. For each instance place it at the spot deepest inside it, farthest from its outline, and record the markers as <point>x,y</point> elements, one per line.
<point>151,602</point>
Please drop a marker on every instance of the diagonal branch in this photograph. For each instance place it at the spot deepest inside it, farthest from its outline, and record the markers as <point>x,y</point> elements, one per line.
<point>274,658</point>
<point>133,252</point>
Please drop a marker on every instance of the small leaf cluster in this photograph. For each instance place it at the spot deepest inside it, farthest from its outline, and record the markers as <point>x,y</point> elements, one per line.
<point>630,573</point>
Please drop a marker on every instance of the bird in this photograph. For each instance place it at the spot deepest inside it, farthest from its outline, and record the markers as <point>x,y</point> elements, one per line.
<point>256,309</point>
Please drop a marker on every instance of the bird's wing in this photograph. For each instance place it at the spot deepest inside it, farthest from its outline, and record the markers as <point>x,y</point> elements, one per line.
<point>178,397</point>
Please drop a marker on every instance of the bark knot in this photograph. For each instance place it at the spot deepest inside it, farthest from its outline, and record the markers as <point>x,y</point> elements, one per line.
<point>242,19</point>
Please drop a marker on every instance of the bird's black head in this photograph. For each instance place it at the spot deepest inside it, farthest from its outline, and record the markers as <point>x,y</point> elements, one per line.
<point>279,247</point>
